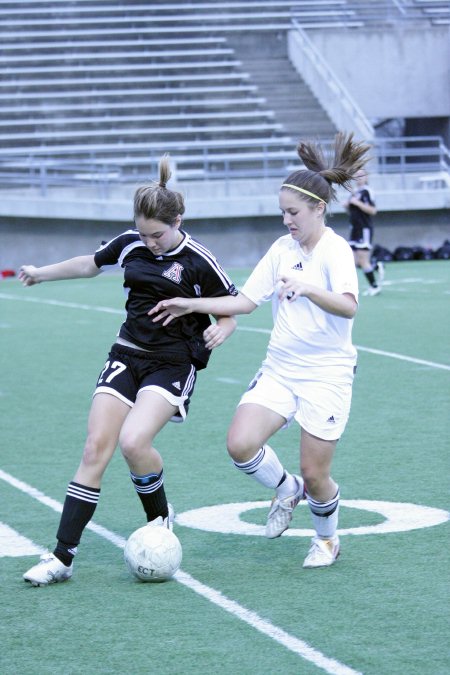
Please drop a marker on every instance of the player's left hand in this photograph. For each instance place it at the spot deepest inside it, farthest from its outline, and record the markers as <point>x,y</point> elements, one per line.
<point>214,336</point>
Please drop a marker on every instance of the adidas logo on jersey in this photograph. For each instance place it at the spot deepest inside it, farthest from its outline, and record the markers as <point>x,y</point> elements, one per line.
<point>177,385</point>
<point>298,266</point>
<point>331,419</point>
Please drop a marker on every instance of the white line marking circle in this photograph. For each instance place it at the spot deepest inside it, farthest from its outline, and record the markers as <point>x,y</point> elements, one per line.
<point>400,517</point>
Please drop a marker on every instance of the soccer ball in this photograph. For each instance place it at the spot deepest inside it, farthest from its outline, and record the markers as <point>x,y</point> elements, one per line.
<point>153,553</point>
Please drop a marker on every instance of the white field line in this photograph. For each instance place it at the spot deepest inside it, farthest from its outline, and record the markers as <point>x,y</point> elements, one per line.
<point>291,643</point>
<point>112,310</point>
<point>380,352</point>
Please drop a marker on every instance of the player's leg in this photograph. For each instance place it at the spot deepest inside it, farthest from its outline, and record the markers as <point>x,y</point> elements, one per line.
<point>105,420</point>
<point>369,272</point>
<point>322,494</point>
<point>164,394</point>
<point>149,415</point>
<point>253,424</point>
<point>363,258</point>
<point>379,268</point>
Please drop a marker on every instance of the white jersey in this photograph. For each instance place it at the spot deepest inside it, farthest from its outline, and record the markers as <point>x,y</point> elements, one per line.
<point>305,336</point>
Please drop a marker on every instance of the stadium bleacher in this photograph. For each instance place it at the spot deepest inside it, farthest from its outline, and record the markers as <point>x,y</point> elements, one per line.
<point>117,84</point>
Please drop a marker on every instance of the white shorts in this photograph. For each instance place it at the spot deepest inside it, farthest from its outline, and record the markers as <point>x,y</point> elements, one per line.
<point>321,408</point>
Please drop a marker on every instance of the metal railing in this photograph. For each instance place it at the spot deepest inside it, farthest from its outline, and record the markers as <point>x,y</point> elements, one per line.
<point>415,153</point>
<point>102,171</point>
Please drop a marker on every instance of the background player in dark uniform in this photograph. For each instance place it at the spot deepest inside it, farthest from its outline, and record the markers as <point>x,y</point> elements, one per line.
<point>361,208</point>
<point>149,375</point>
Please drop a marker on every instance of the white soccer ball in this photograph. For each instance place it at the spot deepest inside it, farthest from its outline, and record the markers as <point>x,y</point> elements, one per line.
<point>153,553</point>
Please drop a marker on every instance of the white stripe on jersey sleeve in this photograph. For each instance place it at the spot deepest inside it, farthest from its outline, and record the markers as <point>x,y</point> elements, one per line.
<point>129,248</point>
<point>106,243</point>
<point>208,256</point>
<point>126,249</point>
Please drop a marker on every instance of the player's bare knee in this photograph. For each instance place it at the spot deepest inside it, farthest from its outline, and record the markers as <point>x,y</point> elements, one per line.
<point>240,449</point>
<point>94,451</point>
<point>314,480</point>
<point>131,446</point>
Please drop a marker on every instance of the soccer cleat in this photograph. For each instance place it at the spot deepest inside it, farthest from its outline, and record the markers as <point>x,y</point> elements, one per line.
<point>164,522</point>
<point>380,269</point>
<point>323,552</point>
<point>49,570</point>
<point>280,514</point>
<point>372,290</point>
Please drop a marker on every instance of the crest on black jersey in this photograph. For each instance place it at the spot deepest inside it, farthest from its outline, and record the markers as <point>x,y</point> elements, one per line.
<point>174,272</point>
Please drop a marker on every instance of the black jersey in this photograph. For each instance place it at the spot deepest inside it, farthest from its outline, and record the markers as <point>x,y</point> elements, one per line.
<point>189,270</point>
<point>358,218</point>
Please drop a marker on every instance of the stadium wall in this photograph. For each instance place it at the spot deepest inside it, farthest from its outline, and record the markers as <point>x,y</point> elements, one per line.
<point>237,242</point>
<point>401,72</point>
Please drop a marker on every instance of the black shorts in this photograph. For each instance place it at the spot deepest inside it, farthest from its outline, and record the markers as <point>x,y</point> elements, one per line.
<point>361,238</point>
<point>129,371</point>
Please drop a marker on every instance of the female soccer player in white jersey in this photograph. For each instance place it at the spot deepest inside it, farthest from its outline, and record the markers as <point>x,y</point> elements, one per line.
<point>308,371</point>
<point>149,375</point>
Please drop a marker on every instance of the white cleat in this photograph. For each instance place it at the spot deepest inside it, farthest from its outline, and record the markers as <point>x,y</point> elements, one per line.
<point>280,514</point>
<point>372,290</point>
<point>323,552</point>
<point>49,570</point>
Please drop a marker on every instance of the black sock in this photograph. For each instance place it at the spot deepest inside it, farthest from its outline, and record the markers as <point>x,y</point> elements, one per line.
<point>370,276</point>
<point>150,490</point>
<point>79,506</point>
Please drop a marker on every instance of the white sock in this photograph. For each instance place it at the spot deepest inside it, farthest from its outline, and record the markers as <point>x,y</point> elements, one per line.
<point>264,467</point>
<point>325,516</point>
<point>289,486</point>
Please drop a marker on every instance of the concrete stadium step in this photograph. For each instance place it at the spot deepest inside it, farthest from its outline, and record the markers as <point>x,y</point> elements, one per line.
<point>118,122</point>
<point>189,146</point>
<point>266,60</point>
<point>184,106</point>
<point>105,81</point>
<point>161,68</point>
<point>82,45</point>
<point>75,58</point>
<point>197,133</point>
<point>127,67</point>
<point>181,91</point>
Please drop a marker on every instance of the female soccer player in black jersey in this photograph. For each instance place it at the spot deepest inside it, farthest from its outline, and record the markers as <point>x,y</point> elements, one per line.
<point>150,372</point>
<point>361,208</point>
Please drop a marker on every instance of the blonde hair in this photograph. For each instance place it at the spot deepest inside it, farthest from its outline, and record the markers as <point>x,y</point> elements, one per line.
<point>348,157</point>
<point>156,201</point>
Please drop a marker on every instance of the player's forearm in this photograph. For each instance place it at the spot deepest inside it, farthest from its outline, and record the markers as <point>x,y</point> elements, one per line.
<point>74,268</point>
<point>339,304</point>
<point>226,305</point>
